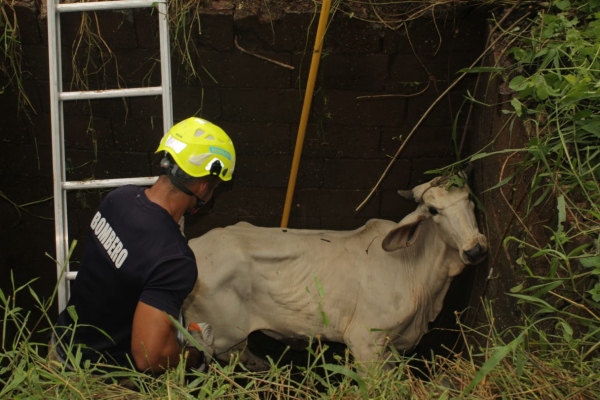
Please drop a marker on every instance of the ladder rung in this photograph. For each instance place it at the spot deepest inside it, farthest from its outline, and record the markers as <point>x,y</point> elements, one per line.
<point>108,183</point>
<point>111,93</point>
<point>105,5</point>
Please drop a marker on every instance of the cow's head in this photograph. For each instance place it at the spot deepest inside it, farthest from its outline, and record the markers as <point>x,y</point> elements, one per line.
<point>447,203</point>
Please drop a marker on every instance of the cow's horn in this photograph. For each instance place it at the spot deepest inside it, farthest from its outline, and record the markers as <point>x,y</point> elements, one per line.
<point>408,195</point>
<point>467,170</point>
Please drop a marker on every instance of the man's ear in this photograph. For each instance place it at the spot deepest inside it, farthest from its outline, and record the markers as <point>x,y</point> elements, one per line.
<point>405,233</point>
<point>204,186</point>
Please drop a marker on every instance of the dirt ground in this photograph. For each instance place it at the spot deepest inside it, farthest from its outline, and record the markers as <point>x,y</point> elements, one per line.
<point>390,14</point>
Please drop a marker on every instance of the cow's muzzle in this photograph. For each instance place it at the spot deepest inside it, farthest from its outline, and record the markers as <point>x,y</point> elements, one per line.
<point>475,253</point>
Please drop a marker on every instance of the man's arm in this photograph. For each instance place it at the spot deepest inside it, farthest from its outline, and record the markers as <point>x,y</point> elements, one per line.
<point>154,342</point>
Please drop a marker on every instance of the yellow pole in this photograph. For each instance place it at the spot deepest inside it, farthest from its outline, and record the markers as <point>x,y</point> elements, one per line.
<point>310,86</point>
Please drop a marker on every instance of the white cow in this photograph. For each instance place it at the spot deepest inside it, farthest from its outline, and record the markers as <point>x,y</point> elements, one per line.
<point>377,285</point>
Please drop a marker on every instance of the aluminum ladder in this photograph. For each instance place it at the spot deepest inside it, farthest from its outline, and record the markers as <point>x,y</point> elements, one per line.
<point>57,98</point>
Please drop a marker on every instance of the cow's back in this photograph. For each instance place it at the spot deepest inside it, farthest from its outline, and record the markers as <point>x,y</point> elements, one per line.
<point>244,256</point>
<point>228,247</point>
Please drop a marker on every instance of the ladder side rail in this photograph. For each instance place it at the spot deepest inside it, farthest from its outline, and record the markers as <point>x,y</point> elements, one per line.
<point>58,167</point>
<point>165,65</point>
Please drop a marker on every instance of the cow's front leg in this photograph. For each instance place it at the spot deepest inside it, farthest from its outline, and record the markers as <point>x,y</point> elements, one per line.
<point>253,362</point>
<point>369,349</point>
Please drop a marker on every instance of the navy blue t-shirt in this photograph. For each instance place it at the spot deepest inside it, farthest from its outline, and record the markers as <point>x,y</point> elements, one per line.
<point>135,252</point>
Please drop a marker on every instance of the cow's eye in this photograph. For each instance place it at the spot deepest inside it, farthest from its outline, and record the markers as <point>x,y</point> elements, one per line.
<point>433,211</point>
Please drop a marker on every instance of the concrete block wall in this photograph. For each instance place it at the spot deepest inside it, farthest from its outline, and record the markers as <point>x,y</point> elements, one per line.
<point>373,85</point>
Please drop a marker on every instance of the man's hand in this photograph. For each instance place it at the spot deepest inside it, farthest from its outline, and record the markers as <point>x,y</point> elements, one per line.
<point>203,339</point>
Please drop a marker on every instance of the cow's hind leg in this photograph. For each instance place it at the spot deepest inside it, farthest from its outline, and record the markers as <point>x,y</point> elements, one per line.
<point>253,362</point>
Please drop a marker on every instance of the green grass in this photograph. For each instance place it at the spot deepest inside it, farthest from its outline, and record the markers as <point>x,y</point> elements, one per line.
<point>522,363</point>
<point>11,59</point>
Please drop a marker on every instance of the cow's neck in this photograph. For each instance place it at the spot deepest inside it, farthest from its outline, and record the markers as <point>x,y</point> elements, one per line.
<point>430,266</point>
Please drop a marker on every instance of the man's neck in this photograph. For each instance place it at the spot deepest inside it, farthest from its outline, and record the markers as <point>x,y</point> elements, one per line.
<point>168,197</point>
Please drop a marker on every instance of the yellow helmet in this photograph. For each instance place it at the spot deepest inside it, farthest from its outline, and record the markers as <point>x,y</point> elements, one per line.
<point>200,148</point>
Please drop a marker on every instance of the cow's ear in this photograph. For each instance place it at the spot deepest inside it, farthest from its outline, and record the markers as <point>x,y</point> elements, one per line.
<point>467,171</point>
<point>404,234</point>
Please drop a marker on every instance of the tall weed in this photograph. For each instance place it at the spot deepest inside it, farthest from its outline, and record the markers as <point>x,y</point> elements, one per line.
<point>554,79</point>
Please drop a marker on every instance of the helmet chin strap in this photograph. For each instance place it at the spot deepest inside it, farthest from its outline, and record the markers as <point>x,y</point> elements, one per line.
<point>179,185</point>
